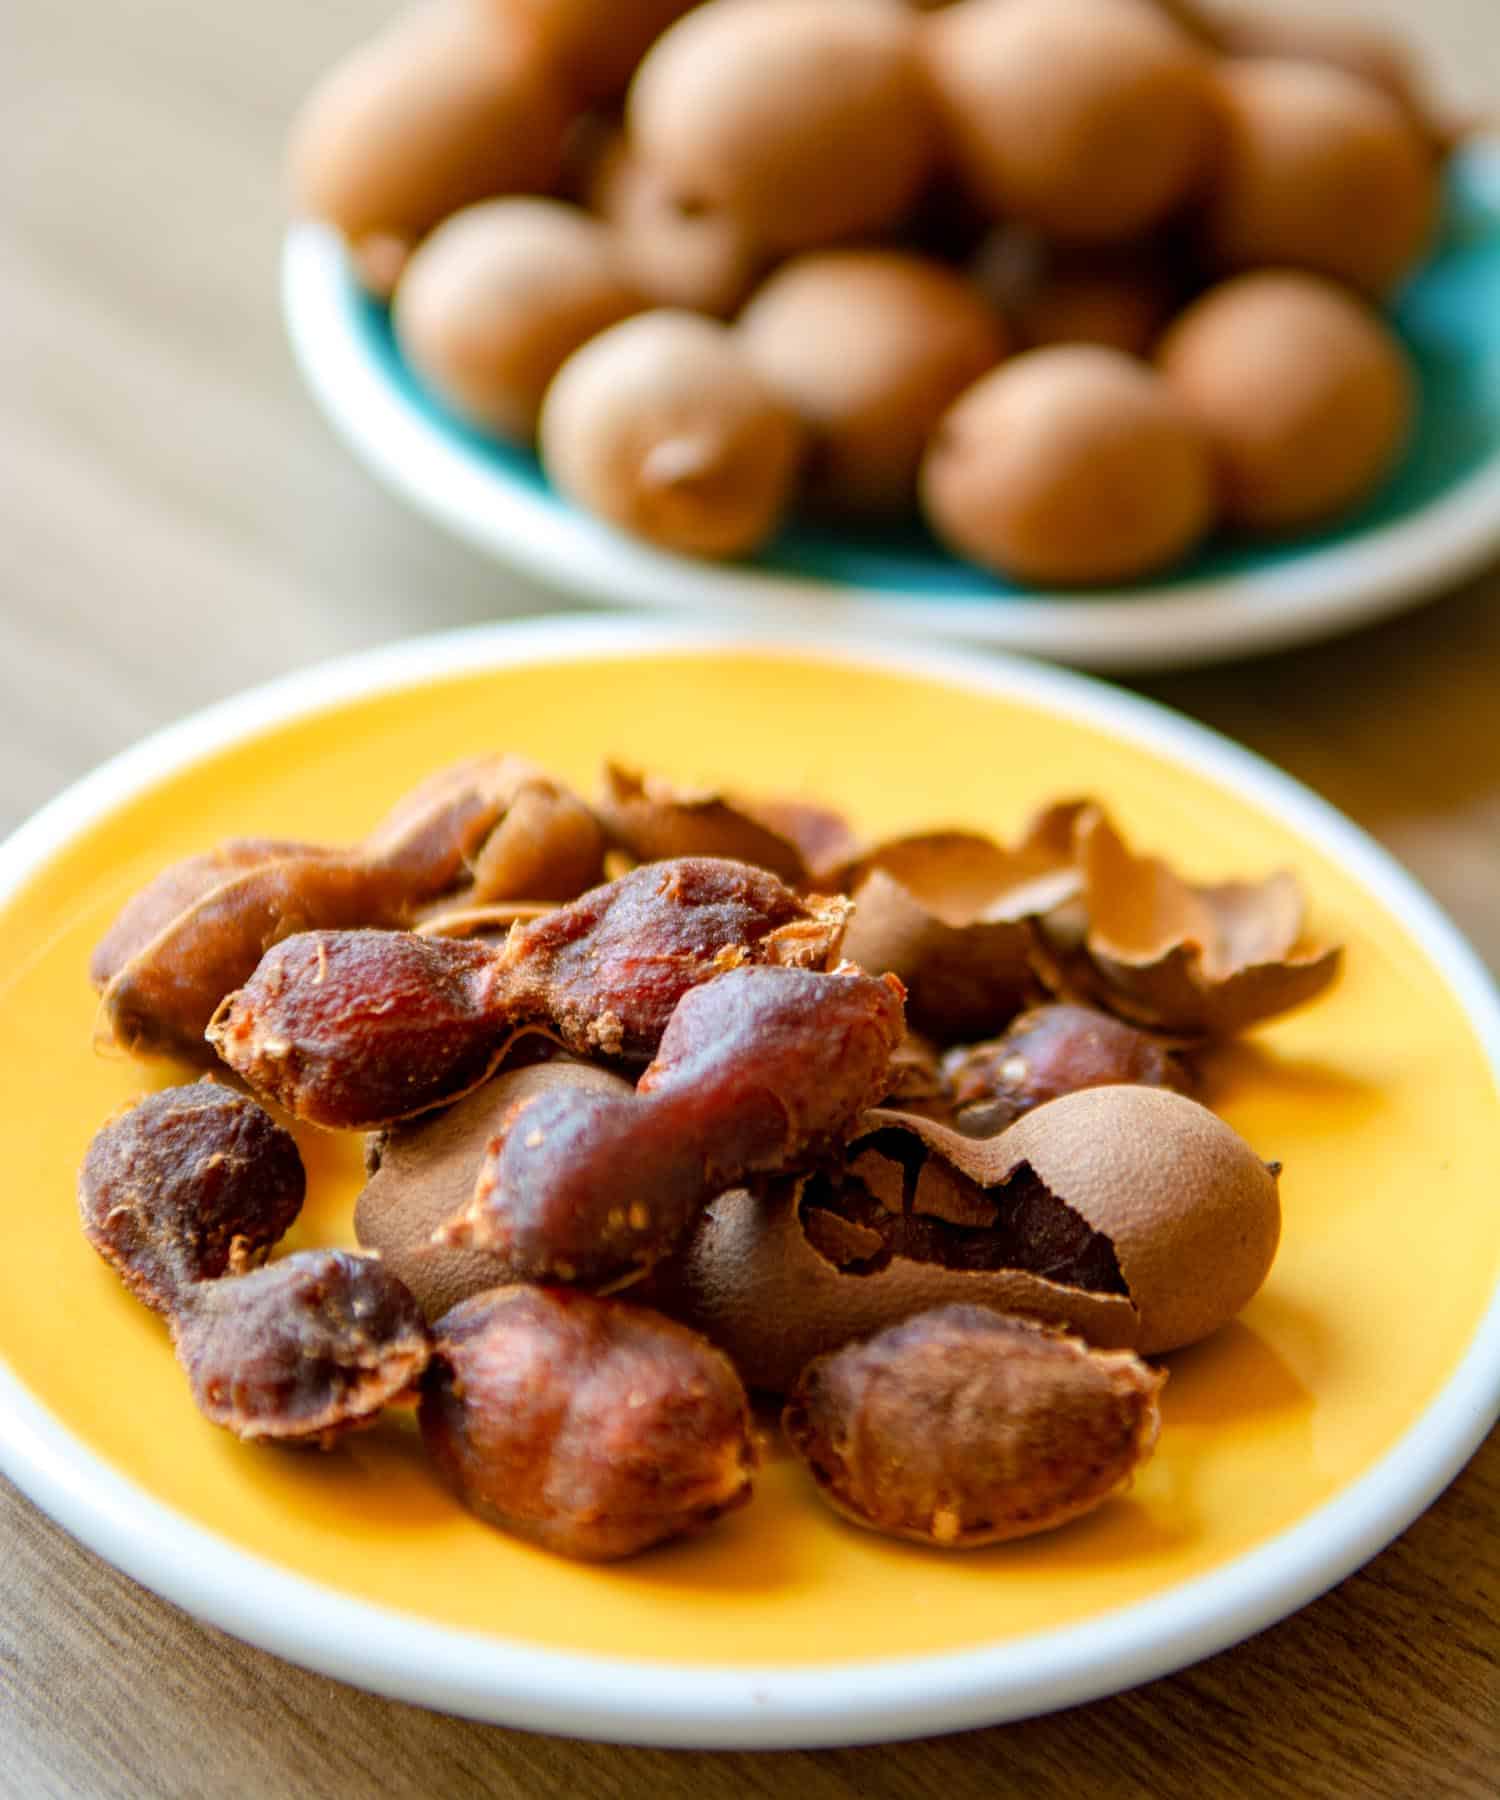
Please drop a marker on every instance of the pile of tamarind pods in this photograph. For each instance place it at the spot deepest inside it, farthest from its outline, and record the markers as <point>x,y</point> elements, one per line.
<point>897,1131</point>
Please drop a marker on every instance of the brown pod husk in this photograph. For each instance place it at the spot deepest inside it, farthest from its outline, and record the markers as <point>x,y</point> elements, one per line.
<point>656,822</point>
<point>824,837</point>
<point>961,980</point>
<point>488,829</point>
<point>1191,1213</point>
<point>954,915</point>
<point>160,1002</point>
<point>961,1427</point>
<point>436,829</point>
<point>548,846</point>
<point>1208,961</point>
<point>491,829</point>
<point>150,910</point>
<point>965,870</point>
<point>424,1172</point>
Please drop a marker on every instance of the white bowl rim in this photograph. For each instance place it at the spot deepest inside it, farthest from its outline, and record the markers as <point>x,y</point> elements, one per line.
<point>1321,592</point>
<point>764,1707</point>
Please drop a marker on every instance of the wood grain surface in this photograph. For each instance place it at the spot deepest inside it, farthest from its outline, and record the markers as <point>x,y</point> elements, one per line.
<point>175,523</point>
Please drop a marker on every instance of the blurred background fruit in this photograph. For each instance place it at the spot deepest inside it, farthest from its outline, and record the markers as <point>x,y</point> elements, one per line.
<point>1201,204</point>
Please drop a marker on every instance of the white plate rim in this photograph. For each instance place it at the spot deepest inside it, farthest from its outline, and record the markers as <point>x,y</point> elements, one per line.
<point>754,1707</point>
<point>1322,592</point>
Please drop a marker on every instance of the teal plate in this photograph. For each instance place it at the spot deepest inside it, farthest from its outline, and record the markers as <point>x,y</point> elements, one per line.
<point>1435,520</point>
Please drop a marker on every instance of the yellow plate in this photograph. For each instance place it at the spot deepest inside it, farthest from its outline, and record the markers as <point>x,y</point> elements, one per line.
<point>1294,1443</point>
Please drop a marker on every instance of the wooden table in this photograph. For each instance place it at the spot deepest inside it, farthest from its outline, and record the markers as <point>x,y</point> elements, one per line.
<point>177,524</point>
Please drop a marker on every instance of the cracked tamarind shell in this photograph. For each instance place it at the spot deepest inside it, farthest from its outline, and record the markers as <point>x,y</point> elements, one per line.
<point>752,1282</point>
<point>1190,1214</point>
